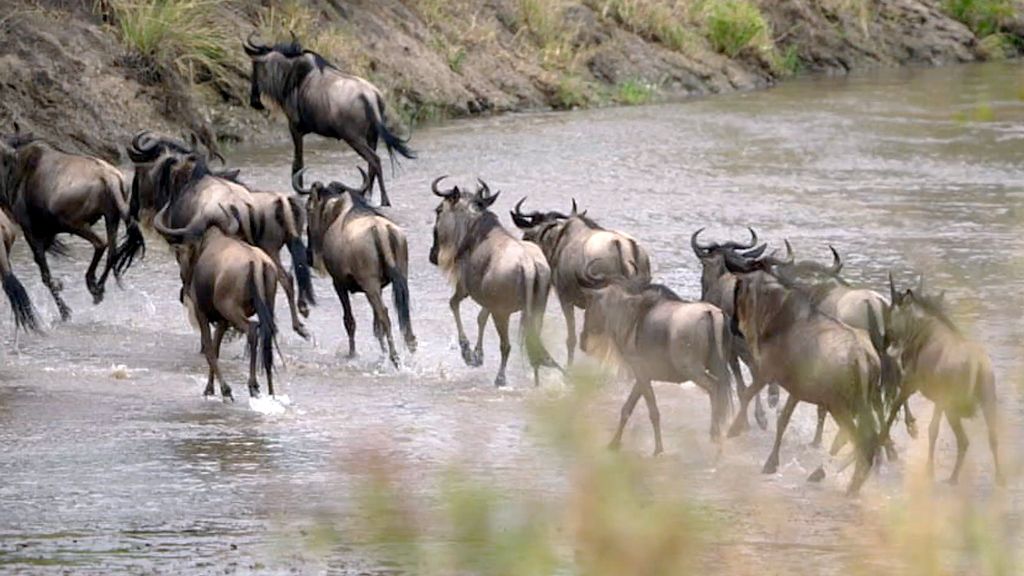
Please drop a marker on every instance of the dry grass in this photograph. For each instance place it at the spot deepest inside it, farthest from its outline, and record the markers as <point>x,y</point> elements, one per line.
<point>335,43</point>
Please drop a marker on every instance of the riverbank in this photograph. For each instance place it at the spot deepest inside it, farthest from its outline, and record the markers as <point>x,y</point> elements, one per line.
<point>89,73</point>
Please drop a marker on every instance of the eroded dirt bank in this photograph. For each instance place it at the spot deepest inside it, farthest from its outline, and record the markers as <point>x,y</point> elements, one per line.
<point>71,72</point>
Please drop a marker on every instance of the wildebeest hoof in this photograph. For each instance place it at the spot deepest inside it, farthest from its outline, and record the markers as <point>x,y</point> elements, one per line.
<point>658,450</point>
<point>890,453</point>
<point>762,420</point>
<point>65,313</point>
<point>614,445</point>
<point>770,467</point>
<point>500,381</point>
<point>953,481</point>
<point>817,476</point>
<point>773,397</point>
<point>738,427</point>
<point>411,344</point>
<point>396,361</point>
<point>97,296</point>
<point>912,428</point>
<point>304,309</point>
<point>301,331</point>
<point>467,353</point>
<point>477,358</point>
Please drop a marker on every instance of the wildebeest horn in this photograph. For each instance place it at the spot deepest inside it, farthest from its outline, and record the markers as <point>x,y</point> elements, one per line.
<point>837,262</point>
<point>252,48</point>
<point>297,186</point>
<point>17,127</point>
<point>892,290</point>
<point>773,261</point>
<point>697,248</point>
<point>483,190</point>
<point>295,39</point>
<point>521,220</point>
<point>574,210</point>
<point>448,194</point>
<point>363,189</point>
<point>754,253</point>
<point>737,246</point>
<point>196,228</point>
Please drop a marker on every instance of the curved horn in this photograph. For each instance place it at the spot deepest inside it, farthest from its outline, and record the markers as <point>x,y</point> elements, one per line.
<point>574,210</point>
<point>483,190</point>
<point>362,189</point>
<point>837,262</point>
<point>448,194</point>
<point>699,250</point>
<point>297,184</point>
<point>737,246</point>
<point>252,48</point>
<point>755,253</point>
<point>521,220</point>
<point>295,39</point>
<point>773,261</point>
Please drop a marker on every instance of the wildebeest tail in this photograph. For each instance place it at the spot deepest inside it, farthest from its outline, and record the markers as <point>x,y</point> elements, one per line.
<point>292,215</point>
<point>719,353</point>
<point>134,244</point>
<point>629,259</point>
<point>399,283</point>
<point>376,115</point>
<point>21,305</point>
<point>264,314</point>
<point>534,300</point>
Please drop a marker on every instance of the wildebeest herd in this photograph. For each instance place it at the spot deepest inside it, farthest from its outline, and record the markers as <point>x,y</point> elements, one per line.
<point>798,325</point>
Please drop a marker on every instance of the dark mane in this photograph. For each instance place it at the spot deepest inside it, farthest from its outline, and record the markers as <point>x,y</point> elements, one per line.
<point>295,50</point>
<point>479,228</point>
<point>934,308</point>
<point>588,222</point>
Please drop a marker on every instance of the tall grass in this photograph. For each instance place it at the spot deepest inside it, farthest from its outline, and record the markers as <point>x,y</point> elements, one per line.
<point>543,21</point>
<point>983,17</point>
<point>279,20</point>
<point>732,26</point>
<point>662,21</point>
<point>184,36</point>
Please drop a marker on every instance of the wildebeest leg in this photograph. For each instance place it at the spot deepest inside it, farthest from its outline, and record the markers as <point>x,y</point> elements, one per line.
<point>910,420</point>
<point>569,311</point>
<point>780,428</point>
<point>54,285</point>
<point>501,325</point>
<point>288,283</point>
<point>212,353</point>
<point>207,347</point>
<point>454,303</point>
<point>376,170</point>
<point>740,424</point>
<point>350,320</point>
<point>961,444</point>
<point>481,323</point>
<point>741,387</point>
<point>112,222</point>
<point>624,414</point>
<point>652,410</point>
<point>98,246</point>
<point>382,323</point>
<point>988,410</point>
<point>710,386</point>
<point>297,160</point>
<point>848,427</point>
<point>820,430</point>
<point>773,395</point>
<point>933,435</point>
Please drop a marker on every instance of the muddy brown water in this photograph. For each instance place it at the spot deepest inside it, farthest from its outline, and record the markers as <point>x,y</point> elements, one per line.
<point>111,461</point>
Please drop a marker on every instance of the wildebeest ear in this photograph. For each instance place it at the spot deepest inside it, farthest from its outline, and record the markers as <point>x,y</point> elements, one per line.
<point>486,201</point>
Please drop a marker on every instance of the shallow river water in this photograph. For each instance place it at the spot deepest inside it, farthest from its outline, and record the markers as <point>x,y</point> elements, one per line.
<point>111,461</point>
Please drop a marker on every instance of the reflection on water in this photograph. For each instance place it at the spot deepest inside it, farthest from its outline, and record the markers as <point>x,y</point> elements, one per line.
<point>906,170</point>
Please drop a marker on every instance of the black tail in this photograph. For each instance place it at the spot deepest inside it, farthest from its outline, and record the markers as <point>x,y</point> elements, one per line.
<point>300,266</point>
<point>134,244</point>
<point>393,143</point>
<point>719,353</point>
<point>21,305</point>
<point>265,316</point>
<point>399,285</point>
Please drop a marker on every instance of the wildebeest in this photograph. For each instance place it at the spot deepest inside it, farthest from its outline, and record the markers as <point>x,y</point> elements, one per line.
<point>500,272</point>
<point>272,220</point>
<point>860,308</point>
<point>49,192</point>
<point>583,256</point>
<point>947,367</point>
<point>717,287</point>
<point>660,337</point>
<point>815,357</point>
<point>363,251</point>
<point>231,281</point>
<point>194,199</point>
<point>320,99</point>
<point>21,305</point>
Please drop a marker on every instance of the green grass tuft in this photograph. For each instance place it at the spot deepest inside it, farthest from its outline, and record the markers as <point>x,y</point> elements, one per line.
<point>571,92</point>
<point>983,17</point>
<point>657,20</point>
<point>732,26</point>
<point>634,92</point>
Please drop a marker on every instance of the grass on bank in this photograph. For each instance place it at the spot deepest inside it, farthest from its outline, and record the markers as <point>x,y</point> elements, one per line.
<point>182,36</point>
<point>733,26</point>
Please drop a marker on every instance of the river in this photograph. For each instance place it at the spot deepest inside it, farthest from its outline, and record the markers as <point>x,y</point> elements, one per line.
<point>111,460</point>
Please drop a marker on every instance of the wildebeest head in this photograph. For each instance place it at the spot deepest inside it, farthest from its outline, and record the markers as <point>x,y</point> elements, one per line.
<point>811,272</point>
<point>713,257</point>
<point>537,225</point>
<point>454,216</point>
<point>911,310</point>
<point>278,70</point>
<point>322,206</point>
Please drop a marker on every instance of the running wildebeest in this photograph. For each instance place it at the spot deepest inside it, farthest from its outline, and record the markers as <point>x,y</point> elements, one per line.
<point>272,220</point>
<point>320,99</point>
<point>500,272</point>
<point>815,357</point>
<point>717,287</point>
<point>230,281</point>
<point>193,200</point>
<point>363,251</point>
<point>860,308</point>
<point>21,305</point>
<point>660,337</point>
<point>582,256</point>
<point>947,367</point>
<point>49,192</point>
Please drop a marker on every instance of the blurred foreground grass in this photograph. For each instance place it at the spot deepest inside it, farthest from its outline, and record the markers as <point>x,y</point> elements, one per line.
<point>615,516</point>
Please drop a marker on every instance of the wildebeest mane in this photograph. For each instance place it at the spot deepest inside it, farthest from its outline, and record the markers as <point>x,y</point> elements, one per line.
<point>934,307</point>
<point>478,230</point>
